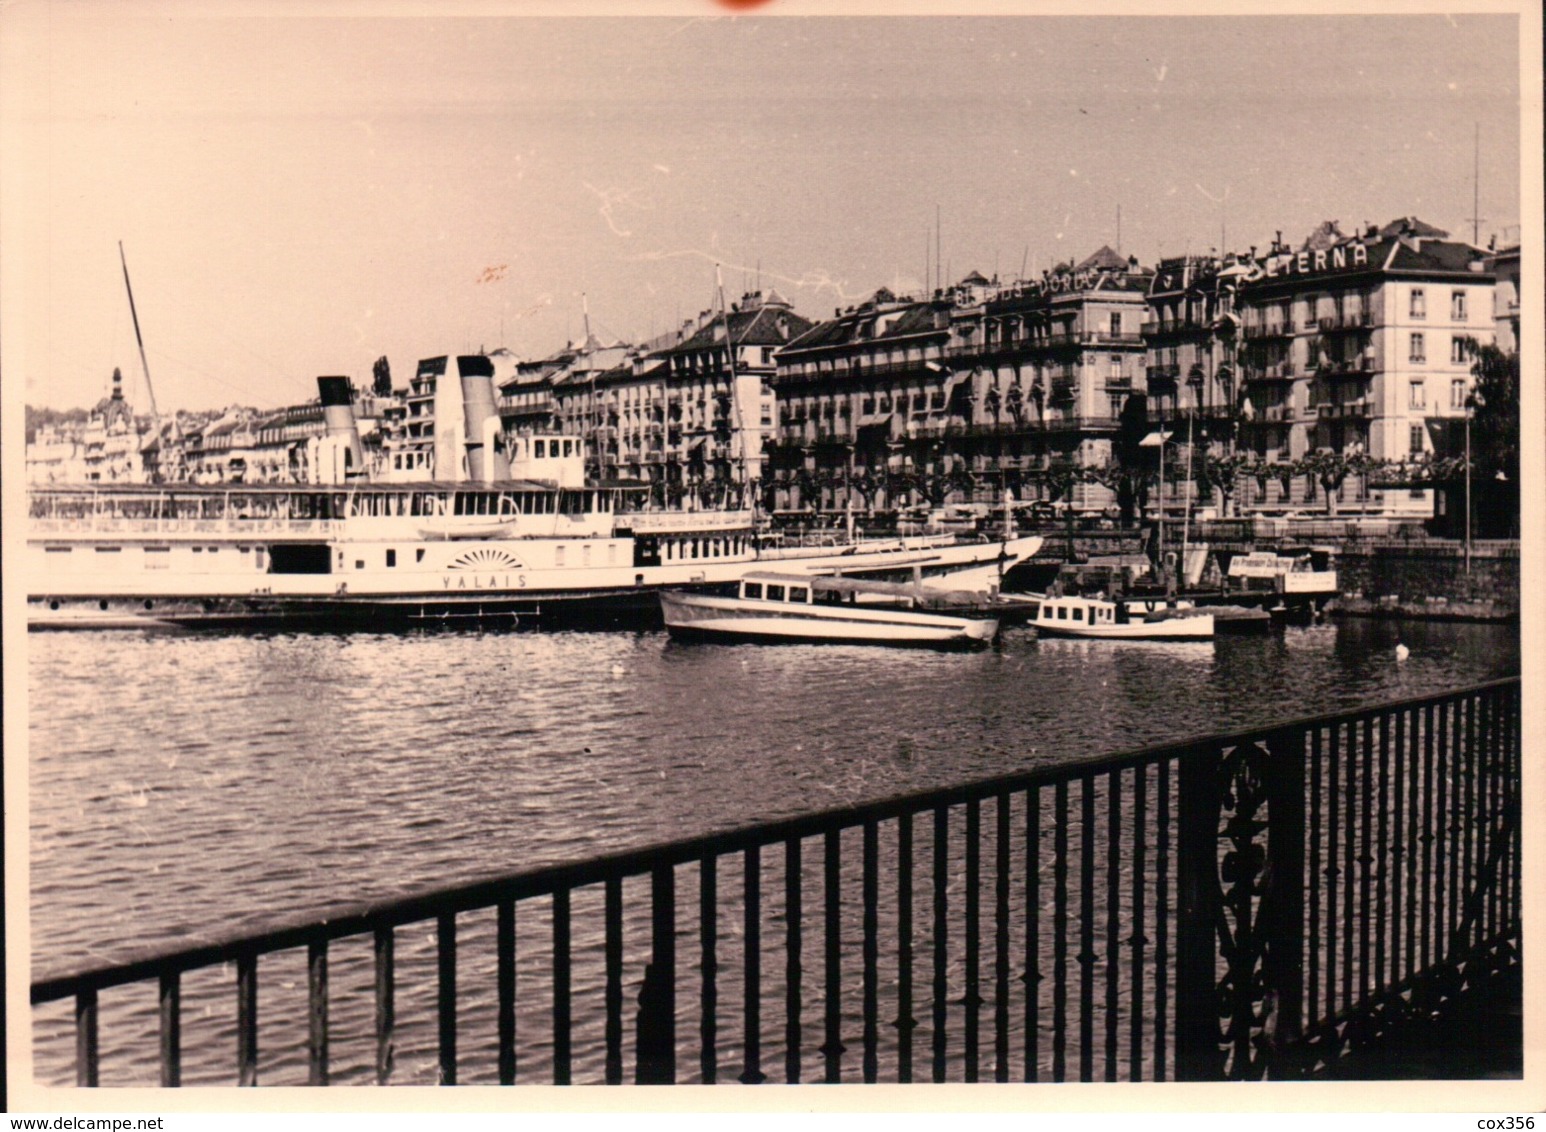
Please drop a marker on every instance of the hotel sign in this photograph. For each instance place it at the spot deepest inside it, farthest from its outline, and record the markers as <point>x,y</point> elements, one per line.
<point>1342,257</point>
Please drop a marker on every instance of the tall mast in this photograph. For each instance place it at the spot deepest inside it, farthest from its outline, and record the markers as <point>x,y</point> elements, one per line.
<point>735,388</point>
<point>155,417</point>
<point>1476,187</point>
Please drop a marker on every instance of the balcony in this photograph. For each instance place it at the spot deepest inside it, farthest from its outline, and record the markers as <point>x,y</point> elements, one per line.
<point>1163,375</point>
<point>1112,338</point>
<point>1347,320</point>
<point>1278,413</point>
<point>1337,368</point>
<point>1268,330</point>
<point>1278,371</point>
<point>1359,409</point>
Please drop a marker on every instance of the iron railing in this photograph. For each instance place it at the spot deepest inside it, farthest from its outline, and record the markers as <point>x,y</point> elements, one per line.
<point>1237,906</point>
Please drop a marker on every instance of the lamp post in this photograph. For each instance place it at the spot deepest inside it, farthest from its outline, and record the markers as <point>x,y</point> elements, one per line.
<point>1470,403</point>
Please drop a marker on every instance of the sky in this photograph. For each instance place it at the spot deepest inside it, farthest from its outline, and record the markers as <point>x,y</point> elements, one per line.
<point>299,195</point>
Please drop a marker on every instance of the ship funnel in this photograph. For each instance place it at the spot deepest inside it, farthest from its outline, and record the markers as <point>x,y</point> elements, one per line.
<point>341,456</point>
<point>485,460</point>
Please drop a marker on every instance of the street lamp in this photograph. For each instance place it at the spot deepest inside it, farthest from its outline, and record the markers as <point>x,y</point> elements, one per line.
<point>1470,404</point>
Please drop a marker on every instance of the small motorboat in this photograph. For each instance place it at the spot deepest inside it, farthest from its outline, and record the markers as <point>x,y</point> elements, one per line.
<point>799,607</point>
<point>1097,618</point>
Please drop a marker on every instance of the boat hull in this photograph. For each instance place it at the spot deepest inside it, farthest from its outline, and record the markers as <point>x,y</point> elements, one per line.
<point>459,583</point>
<point>699,617</point>
<point>1198,628</point>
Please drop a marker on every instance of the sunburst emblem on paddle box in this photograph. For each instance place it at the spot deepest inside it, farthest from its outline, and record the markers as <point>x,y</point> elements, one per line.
<point>485,558</point>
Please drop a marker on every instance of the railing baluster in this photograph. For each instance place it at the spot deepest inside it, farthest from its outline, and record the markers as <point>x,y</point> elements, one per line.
<point>971,999</point>
<point>708,937</point>
<point>832,1047</point>
<point>1366,858</point>
<point>751,930</point>
<point>1514,698</point>
<point>941,936</point>
<point>1349,862</point>
<point>445,951</point>
<point>1284,926</point>
<point>1426,897</point>
<point>1001,942</point>
<point>1164,770</point>
<point>1198,1003</point>
<point>1087,928</point>
<point>504,946</point>
<point>905,1022</point>
<point>87,1058</point>
<point>612,914</point>
<point>386,1008</point>
<point>562,971</point>
<point>1113,922</point>
<point>1454,828</point>
<point>1333,869</point>
<point>1515,713</point>
<point>1413,859</point>
<point>1494,833</point>
<point>871,951</point>
<point>316,1012</point>
<point>1139,940</point>
<point>1059,930</point>
<point>170,1001</point>
<point>655,1056</point>
<point>1316,805</point>
<point>1032,932</point>
<point>1397,720</point>
<point>1384,857</point>
<point>246,1019</point>
<point>1467,816</point>
<point>1441,770</point>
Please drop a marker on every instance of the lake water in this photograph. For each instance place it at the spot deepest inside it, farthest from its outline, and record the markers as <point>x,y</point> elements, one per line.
<point>189,786</point>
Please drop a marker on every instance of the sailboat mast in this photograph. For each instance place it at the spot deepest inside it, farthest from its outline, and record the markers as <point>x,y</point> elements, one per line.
<point>155,417</point>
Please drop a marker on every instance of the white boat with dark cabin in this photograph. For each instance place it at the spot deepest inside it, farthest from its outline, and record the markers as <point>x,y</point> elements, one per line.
<point>1099,619</point>
<point>773,607</point>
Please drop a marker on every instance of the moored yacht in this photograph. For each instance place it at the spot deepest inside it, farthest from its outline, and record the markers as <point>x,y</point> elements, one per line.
<point>786,607</point>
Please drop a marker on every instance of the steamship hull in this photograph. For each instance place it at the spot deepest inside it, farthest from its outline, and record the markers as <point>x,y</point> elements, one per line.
<point>362,565</point>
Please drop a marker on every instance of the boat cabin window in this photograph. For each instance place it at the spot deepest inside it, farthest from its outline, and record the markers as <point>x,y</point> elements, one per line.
<point>1062,613</point>
<point>1078,614</point>
<point>775,592</point>
<point>539,449</point>
<point>751,589</point>
<point>799,593</point>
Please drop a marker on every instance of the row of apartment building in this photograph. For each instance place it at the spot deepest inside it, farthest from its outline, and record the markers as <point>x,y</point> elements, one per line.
<point>1349,343</point>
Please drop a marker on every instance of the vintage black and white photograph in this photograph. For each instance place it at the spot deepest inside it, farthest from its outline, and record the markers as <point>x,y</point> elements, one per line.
<point>731,543</point>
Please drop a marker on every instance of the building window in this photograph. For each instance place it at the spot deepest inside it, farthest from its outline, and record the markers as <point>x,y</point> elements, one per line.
<point>1419,303</point>
<point>1417,439</point>
<point>1310,307</point>
<point>391,558</point>
<point>1457,306</point>
<point>1457,351</point>
<point>1116,324</point>
<point>1457,394</point>
<point>1115,362</point>
<point>1418,398</point>
<point>1419,349</point>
